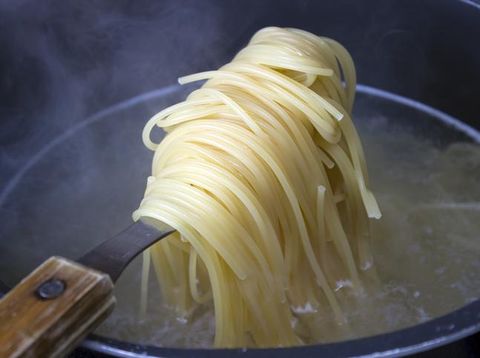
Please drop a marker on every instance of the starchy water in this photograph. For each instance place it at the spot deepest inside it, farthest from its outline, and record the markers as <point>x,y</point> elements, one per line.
<point>425,174</point>
<point>426,247</point>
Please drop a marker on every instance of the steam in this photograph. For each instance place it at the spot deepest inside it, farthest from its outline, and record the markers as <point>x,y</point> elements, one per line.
<point>63,61</point>
<point>77,83</point>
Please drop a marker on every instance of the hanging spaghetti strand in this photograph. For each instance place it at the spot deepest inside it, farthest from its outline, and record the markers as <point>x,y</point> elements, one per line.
<point>263,176</point>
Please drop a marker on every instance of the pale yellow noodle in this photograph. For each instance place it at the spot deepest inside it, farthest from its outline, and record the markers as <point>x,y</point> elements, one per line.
<point>263,175</point>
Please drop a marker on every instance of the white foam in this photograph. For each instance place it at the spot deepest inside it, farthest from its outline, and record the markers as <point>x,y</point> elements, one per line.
<point>342,283</point>
<point>308,308</point>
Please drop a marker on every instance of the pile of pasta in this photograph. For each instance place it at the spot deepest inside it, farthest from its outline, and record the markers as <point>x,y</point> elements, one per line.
<point>263,176</point>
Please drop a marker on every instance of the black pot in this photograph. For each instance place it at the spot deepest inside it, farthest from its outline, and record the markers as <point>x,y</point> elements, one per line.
<point>62,61</point>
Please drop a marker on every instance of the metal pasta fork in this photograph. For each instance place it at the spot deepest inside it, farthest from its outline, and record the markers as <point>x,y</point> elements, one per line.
<point>51,310</point>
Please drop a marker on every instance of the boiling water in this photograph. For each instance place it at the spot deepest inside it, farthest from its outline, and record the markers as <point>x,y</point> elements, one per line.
<point>426,247</point>
<point>424,172</point>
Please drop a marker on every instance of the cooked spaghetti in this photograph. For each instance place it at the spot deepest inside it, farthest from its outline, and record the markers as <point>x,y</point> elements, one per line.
<point>263,176</point>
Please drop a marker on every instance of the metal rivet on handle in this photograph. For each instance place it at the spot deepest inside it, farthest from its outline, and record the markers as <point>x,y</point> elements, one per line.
<point>51,289</point>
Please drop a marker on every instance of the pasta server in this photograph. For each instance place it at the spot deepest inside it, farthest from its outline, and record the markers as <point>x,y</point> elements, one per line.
<point>52,309</point>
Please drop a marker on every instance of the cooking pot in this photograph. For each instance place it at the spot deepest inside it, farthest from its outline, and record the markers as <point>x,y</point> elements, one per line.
<point>78,81</point>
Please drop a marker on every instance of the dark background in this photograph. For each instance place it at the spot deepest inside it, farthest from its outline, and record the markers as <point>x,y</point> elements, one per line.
<point>63,60</point>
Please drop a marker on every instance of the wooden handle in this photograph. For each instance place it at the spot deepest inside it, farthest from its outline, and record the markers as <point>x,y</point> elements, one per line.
<point>53,309</point>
